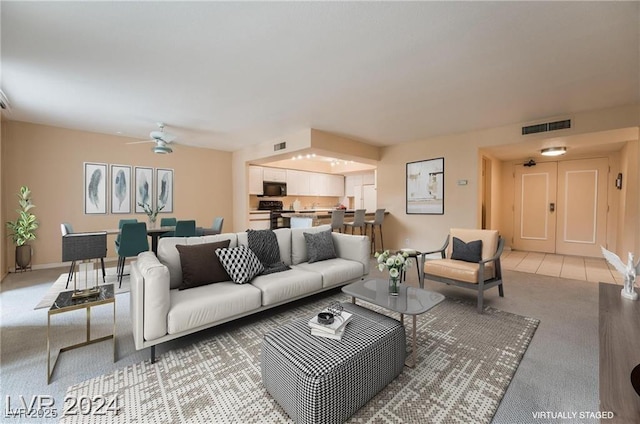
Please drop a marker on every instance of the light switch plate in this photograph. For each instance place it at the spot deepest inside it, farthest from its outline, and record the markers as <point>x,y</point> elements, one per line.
<point>463,182</point>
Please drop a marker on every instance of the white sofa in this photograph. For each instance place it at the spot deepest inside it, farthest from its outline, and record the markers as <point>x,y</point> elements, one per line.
<point>160,312</point>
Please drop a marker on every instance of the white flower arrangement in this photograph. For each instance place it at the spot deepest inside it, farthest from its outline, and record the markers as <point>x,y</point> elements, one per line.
<point>394,263</point>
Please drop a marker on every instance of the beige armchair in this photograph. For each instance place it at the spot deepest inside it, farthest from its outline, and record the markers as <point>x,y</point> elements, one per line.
<point>479,276</point>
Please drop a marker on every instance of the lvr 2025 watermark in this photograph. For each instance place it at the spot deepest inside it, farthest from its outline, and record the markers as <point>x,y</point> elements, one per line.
<point>43,406</point>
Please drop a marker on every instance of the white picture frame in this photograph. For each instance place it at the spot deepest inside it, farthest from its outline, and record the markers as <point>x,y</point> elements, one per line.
<point>95,188</point>
<point>121,184</point>
<point>143,188</point>
<point>164,189</point>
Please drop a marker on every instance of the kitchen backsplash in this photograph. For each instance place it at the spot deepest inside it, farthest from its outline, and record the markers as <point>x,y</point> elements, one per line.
<point>306,202</point>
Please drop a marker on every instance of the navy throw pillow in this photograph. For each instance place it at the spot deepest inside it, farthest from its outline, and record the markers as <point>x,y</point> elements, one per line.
<point>468,252</point>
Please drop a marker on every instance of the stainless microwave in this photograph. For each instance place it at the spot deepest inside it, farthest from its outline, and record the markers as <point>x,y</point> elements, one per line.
<point>275,189</point>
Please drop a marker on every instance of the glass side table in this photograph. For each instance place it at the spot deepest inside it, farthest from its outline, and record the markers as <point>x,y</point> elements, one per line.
<point>65,303</point>
<point>410,301</point>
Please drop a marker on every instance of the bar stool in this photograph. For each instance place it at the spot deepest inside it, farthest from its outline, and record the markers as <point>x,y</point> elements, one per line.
<point>377,221</point>
<point>337,220</point>
<point>358,222</point>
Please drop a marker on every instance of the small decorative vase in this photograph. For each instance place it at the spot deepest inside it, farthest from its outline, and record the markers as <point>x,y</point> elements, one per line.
<point>394,286</point>
<point>152,222</point>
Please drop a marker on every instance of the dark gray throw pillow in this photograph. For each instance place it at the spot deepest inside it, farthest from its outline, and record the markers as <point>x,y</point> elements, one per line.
<point>200,265</point>
<point>320,246</point>
<point>468,252</point>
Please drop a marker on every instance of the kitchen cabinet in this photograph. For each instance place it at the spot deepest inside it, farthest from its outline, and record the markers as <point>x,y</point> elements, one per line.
<point>260,221</point>
<point>297,182</point>
<point>365,197</point>
<point>336,185</point>
<point>274,174</point>
<point>353,180</point>
<point>255,179</point>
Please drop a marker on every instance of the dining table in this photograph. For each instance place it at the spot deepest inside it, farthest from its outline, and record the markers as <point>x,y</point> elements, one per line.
<point>156,232</point>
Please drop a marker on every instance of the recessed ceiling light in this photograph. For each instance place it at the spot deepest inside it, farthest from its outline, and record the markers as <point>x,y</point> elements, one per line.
<point>553,151</point>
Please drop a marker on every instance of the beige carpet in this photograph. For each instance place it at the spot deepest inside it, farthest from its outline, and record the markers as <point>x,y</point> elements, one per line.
<point>60,285</point>
<point>465,364</point>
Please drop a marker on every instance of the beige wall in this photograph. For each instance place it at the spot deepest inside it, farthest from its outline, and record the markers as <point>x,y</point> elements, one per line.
<point>462,160</point>
<point>3,207</point>
<point>628,239</point>
<point>50,161</point>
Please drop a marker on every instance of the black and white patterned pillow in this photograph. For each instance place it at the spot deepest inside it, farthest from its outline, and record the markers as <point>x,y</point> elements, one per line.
<point>240,263</point>
<point>320,246</point>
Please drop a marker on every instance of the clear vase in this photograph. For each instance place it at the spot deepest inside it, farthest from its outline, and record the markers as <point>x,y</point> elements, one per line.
<point>152,222</point>
<point>394,286</point>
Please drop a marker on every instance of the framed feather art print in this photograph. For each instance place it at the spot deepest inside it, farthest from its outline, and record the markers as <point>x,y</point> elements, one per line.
<point>144,188</point>
<point>95,188</point>
<point>164,184</point>
<point>120,189</point>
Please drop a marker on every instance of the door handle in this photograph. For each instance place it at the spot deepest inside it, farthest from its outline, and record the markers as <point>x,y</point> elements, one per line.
<point>552,207</point>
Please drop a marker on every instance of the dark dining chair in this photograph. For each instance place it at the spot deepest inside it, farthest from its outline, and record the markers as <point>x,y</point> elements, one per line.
<point>65,229</point>
<point>133,240</point>
<point>185,228</point>
<point>120,224</point>
<point>168,222</point>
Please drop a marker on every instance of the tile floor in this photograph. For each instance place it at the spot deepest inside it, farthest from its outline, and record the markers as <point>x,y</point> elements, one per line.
<point>562,266</point>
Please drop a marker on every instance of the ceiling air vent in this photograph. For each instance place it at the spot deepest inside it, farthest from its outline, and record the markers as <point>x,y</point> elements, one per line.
<point>280,146</point>
<point>547,126</point>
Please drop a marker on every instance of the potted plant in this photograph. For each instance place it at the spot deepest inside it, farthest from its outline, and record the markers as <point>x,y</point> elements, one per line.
<point>22,229</point>
<point>152,214</point>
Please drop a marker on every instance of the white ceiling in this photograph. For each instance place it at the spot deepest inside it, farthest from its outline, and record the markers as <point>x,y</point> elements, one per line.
<point>229,75</point>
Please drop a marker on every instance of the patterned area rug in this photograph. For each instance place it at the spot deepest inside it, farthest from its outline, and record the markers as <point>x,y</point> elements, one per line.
<point>60,285</point>
<point>465,364</point>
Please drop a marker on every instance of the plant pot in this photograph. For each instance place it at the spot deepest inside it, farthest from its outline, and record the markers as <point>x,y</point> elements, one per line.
<point>23,256</point>
<point>394,286</point>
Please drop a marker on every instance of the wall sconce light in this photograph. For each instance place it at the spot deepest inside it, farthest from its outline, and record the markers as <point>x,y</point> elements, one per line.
<point>619,181</point>
<point>553,151</point>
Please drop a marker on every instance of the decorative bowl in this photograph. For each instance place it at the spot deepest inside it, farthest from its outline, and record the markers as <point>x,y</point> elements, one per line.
<point>325,318</point>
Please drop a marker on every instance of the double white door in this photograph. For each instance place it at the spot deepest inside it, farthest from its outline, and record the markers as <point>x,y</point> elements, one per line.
<point>561,207</point>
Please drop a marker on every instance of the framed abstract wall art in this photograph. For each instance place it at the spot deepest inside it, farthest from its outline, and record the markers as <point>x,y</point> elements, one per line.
<point>95,188</point>
<point>164,184</point>
<point>425,187</point>
<point>143,188</point>
<point>120,189</point>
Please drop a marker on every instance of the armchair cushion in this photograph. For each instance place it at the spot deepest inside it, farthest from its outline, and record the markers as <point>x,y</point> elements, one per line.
<point>458,270</point>
<point>468,252</point>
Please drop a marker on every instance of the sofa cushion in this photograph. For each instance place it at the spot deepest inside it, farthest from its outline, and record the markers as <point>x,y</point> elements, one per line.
<point>468,252</point>
<point>458,270</point>
<point>240,262</point>
<point>200,265</point>
<point>287,285</point>
<point>284,243</point>
<point>335,271</point>
<point>319,246</point>
<point>169,256</point>
<point>299,245</point>
<point>204,305</point>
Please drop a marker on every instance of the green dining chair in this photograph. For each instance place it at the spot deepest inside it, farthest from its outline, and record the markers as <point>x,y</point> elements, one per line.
<point>185,228</point>
<point>120,224</point>
<point>133,240</point>
<point>168,222</point>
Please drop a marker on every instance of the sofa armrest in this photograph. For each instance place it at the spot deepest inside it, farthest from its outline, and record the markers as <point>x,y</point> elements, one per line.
<point>150,298</point>
<point>355,248</point>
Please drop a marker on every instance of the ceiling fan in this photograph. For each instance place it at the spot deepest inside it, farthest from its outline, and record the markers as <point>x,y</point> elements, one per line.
<point>161,138</point>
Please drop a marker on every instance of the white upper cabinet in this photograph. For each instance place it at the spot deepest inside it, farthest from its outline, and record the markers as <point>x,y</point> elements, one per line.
<point>297,183</point>
<point>274,174</point>
<point>353,180</point>
<point>255,179</point>
<point>336,185</point>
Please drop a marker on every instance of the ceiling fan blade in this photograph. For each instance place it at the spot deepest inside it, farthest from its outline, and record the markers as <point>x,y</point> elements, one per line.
<point>141,141</point>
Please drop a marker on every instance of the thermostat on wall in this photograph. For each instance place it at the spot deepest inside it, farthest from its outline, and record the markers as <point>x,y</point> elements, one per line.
<point>462,182</point>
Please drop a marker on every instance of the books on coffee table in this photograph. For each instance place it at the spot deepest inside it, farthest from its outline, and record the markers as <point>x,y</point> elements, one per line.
<point>334,330</point>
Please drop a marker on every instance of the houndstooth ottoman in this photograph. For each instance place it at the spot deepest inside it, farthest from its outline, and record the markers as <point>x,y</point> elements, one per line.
<point>321,380</point>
